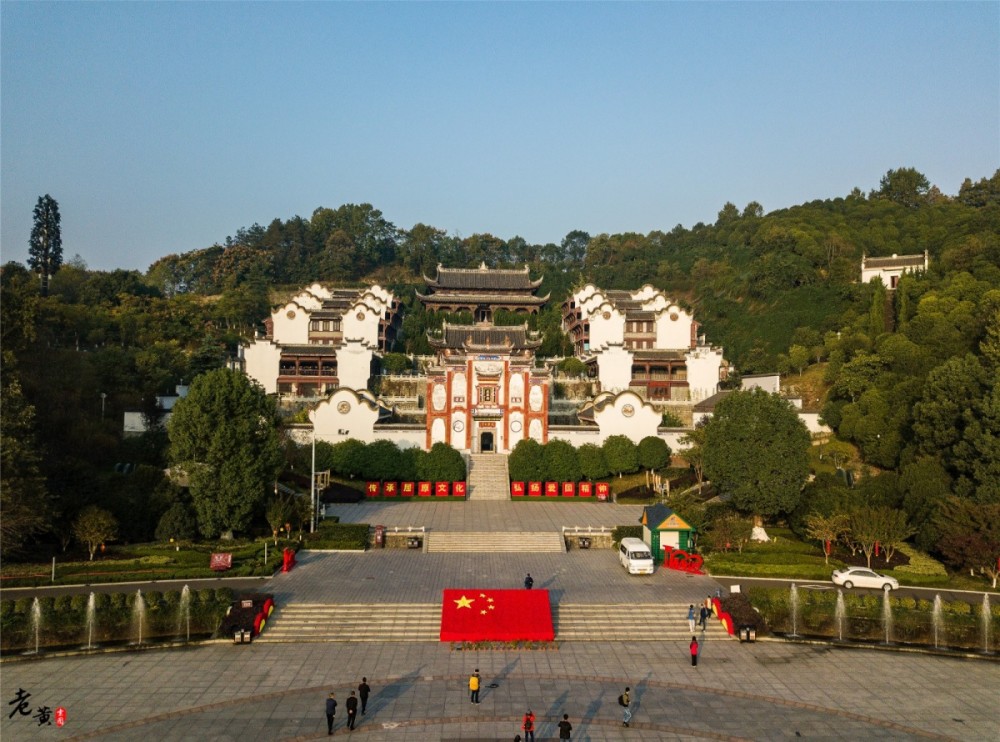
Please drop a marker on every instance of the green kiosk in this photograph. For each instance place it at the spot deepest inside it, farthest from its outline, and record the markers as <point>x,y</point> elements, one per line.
<point>661,527</point>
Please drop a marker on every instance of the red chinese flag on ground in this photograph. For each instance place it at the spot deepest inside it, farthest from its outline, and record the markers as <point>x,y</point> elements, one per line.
<point>496,615</point>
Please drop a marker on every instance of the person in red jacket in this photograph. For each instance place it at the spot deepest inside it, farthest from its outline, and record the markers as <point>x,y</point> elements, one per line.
<point>528,726</point>
<point>694,651</point>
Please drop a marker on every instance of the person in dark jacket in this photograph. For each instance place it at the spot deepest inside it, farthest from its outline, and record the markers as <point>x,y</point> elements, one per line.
<point>565,727</point>
<point>331,710</point>
<point>363,690</point>
<point>528,582</point>
<point>352,710</point>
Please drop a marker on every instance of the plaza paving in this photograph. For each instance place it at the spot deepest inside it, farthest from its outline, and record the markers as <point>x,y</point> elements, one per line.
<point>264,691</point>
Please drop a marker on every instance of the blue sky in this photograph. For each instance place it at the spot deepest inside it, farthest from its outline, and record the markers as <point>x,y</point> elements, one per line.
<point>164,127</point>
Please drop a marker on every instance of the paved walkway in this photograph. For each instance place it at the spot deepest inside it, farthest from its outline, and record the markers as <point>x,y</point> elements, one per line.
<point>276,692</point>
<point>532,514</point>
<point>738,691</point>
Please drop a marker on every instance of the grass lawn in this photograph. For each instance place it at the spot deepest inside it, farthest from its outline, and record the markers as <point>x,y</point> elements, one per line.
<point>789,557</point>
<point>138,562</point>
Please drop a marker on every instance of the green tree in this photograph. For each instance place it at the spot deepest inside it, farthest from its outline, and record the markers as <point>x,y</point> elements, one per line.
<point>347,458</point>
<point>621,454</point>
<point>45,245</point>
<point>560,461</point>
<point>592,463</point>
<point>757,452</point>
<point>278,513</point>
<point>654,453</point>
<point>958,419</point>
<point>525,461</point>
<point>729,532</point>
<point>442,464</point>
<point>397,363</point>
<point>24,501</point>
<point>874,527</point>
<point>224,435</point>
<point>798,357</point>
<point>826,529</point>
<point>382,461</point>
<point>694,452</point>
<point>970,536</point>
<point>178,523</point>
<point>93,527</point>
<point>905,186</point>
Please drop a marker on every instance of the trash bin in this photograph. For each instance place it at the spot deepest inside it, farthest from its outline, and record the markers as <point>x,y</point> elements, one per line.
<point>584,542</point>
<point>413,543</point>
<point>380,536</point>
<point>748,634</point>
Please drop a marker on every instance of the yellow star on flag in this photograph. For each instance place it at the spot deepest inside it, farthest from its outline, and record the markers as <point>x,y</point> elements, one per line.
<point>464,602</point>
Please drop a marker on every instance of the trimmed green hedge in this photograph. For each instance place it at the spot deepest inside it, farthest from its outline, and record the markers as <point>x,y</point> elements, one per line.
<point>912,620</point>
<point>621,532</point>
<point>151,562</point>
<point>64,618</point>
<point>351,536</point>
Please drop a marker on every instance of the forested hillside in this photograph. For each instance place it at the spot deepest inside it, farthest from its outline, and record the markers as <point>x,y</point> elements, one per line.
<point>911,376</point>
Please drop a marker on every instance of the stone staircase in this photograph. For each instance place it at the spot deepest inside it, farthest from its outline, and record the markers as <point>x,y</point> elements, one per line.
<point>628,622</point>
<point>488,478</point>
<point>523,542</point>
<point>420,622</point>
<point>356,622</point>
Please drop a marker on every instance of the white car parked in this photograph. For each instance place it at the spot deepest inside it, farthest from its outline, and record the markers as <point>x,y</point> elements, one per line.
<point>864,577</point>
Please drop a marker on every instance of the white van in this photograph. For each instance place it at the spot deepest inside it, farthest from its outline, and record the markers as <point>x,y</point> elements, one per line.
<point>635,557</point>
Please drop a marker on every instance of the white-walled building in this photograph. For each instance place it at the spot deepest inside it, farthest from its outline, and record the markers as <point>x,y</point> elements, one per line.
<point>890,269</point>
<point>322,339</point>
<point>642,341</point>
<point>484,390</point>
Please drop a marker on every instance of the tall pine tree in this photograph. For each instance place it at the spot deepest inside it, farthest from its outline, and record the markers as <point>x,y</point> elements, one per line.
<point>45,245</point>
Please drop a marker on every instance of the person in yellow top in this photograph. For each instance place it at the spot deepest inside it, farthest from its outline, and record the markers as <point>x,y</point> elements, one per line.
<point>474,681</point>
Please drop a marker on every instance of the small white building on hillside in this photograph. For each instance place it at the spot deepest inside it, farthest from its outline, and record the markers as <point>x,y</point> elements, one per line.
<point>890,269</point>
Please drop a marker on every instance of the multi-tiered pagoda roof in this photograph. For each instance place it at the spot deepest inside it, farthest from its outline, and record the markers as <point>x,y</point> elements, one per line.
<point>482,291</point>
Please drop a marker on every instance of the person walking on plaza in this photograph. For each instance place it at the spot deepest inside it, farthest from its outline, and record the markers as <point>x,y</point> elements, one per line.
<point>694,651</point>
<point>528,726</point>
<point>363,690</point>
<point>691,621</point>
<point>704,617</point>
<point>565,727</point>
<point>528,582</point>
<point>352,710</point>
<point>331,710</point>
<point>474,681</point>
<point>624,701</point>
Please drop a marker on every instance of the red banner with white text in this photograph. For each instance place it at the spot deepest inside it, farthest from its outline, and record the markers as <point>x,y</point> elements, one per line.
<point>496,615</point>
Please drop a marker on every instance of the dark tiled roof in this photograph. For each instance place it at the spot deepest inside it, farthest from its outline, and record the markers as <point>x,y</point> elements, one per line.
<point>896,261</point>
<point>708,404</point>
<point>329,351</point>
<point>484,336</point>
<point>658,354</point>
<point>447,297</point>
<point>482,278</point>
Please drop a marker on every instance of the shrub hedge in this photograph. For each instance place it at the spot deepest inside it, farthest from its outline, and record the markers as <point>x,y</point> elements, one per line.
<point>64,618</point>
<point>912,619</point>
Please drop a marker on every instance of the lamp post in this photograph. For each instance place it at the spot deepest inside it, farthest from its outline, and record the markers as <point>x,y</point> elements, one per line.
<point>312,486</point>
<point>103,397</point>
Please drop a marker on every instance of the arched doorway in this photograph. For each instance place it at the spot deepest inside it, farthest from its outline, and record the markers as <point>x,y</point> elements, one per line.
<point>486,442</point>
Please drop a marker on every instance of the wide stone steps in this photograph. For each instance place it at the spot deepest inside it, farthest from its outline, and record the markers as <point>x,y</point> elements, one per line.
<point>627,622</point>
<point>478,542</point>
<point>488,478</point>
<point>420,622</point>
<point>357,622</point>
